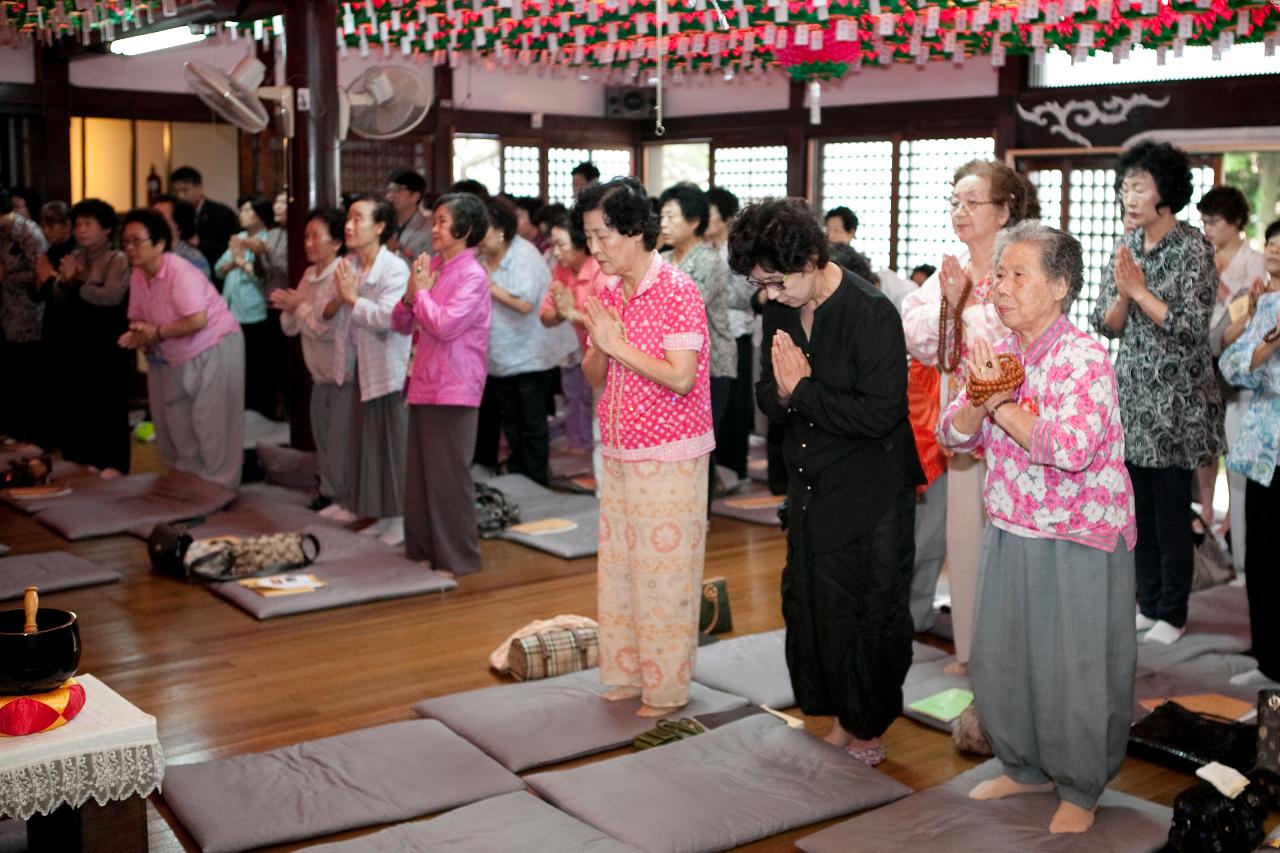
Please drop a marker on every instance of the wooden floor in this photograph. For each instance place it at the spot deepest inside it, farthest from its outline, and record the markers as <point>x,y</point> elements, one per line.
<point>221,683</point>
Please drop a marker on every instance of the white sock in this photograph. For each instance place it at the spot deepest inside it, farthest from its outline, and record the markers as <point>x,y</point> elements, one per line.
<point>377,528</point>
<point>1144,623</point>
<point>1163,632</point>
<point>394,534</point>
<point>1250,678</point>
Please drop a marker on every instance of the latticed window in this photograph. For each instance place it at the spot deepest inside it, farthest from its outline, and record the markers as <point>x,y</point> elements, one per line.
<point>522,170</point>
<point>612,162</point>
<point>752,173</point>
<point>1094,218</point>
<point>1048,184</point>
<point>1201,182</point>
<point>924,217</point>
<point>859,176</point>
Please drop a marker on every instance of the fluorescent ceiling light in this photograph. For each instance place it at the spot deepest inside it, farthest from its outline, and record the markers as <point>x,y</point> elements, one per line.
<point>159,40</point>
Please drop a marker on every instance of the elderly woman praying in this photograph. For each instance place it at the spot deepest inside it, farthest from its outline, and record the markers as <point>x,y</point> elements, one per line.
<point>1054,648</point>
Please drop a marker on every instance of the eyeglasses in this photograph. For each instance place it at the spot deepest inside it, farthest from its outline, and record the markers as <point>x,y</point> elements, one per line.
<point>771,284</point>
<point>969,205</point>
<point>135,242</point>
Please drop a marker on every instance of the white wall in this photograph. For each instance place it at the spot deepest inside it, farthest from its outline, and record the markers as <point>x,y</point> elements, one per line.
<point>17,65</point>
<point>907,82</point>
<point>154,72</point>
<point>532,90</point>
<point>701,94</point>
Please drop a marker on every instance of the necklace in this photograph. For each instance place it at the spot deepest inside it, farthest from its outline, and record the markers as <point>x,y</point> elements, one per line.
<point>957,337</point>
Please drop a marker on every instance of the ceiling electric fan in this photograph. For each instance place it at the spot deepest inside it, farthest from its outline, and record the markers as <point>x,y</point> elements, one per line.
<point>383,103</point>
<point>237,96</point>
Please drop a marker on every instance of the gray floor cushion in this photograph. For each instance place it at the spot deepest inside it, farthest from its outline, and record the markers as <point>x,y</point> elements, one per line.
<point>100,507</point>
<point>388,773</point>
<point>538,502</point>
<point>50,571</point>
<point>13,836</point>
<point>756,506</point>
<point>1209,673</point>
<point>68,474</point>
<point>357,569</point>
<point>1158,657</point>
<point>289,467</point>
<point>924,679</point>
<point>541,722</point>
<point>747,780</point>
<point>518,821</point>
<point>1219,610</point>
<point>257,510</point>
<point>945,819</point>
<point>755,666</point>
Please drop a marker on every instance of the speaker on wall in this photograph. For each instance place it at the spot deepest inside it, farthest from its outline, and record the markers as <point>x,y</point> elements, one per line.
<point>629,102</point>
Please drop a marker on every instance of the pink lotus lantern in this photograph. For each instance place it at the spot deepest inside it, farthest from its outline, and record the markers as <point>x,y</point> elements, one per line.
<point>822,58</point>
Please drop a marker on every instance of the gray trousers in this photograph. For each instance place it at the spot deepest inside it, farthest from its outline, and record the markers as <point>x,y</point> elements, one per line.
<point>1054,653</point>
<point>931,552</point>
<point>375,475</point>
<point>198,412</point>
<point>331,429</point>
<point>439,494</point>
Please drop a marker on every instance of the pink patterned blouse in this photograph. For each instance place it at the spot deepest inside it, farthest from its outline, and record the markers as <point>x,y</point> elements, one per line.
<point>641,420</point>
<point>1072,484</point>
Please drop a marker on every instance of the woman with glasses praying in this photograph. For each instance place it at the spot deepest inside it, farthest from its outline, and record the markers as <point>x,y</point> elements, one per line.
<point>1157,296</point>
<point>942,321</point>
<point>834,376</point>
<point>195,354</point>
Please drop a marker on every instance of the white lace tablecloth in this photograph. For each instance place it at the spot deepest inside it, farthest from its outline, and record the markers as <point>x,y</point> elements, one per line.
<point>110,751</point>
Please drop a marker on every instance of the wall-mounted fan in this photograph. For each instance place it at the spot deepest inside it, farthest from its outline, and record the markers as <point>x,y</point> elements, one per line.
<point>237,96</point>
<point>383,103</point>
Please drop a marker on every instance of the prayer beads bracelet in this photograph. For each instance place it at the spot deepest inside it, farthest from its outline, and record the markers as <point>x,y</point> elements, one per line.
<point>1011,376</point>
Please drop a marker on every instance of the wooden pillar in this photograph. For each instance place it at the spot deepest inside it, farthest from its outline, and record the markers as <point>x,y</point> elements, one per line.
<point>311,62</point>
<point>1012,80</point>
<point>53,151</point>
<point>797,144</point>
<point>440,132</point>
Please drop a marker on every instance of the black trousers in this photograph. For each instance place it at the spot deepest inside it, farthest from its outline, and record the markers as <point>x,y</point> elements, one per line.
<point>521,402</point>
<point>96,432</point>
<point>1262,571</point>
<point>1163,558</point>
<point>734,429</point>
<point>263,362</point>
<point>25,394</point>
<point>849,621</point>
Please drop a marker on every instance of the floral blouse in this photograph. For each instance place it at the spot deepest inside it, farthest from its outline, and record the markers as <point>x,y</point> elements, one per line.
<point>702,263</point>
<point>1072,483</point>
<point>1169,397</point>
<point>1256,450</point>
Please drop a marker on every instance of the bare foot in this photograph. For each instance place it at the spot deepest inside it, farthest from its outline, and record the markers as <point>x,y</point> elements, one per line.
<point>1003,786</point>
<point>956,667</point>
<point>109,473</point>
<point>837,736</point>
<point>443,572</point>
<point>654,711</point>
<point>1071,819</point>
<point>623,692</point>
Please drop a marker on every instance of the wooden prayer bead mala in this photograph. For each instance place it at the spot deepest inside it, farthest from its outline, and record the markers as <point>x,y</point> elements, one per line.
<point>1011,376</point>
<point>957,341</point>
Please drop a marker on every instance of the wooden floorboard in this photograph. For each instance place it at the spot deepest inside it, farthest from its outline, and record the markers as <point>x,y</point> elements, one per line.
<point>221,683</point>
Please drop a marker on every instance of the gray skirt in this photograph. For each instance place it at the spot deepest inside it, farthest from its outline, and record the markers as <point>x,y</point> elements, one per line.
<point>379,430</point>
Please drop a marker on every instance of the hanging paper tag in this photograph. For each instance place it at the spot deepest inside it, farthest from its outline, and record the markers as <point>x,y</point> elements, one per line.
<point>887,24</point>
<point>931,19</point>
<point>1037,36</point>
<point>780,13</point>
<point>800,35</point>
<point>981,17</point>
<point>815,40</point>
<point>962,20</point>
<point>1243,24</point>
<point>997,51</point>
<point>641,23</point>
<point>780,38</point>
<point>1086,34</point>
<point>845,30</point>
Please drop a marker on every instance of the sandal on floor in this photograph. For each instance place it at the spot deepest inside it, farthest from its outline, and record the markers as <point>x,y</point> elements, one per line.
<point>870,756</point>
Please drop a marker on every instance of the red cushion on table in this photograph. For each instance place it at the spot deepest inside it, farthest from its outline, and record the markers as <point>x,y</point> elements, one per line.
<point>28,715</point>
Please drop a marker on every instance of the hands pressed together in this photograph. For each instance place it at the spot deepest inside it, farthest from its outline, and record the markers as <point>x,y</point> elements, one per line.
<point>604,325</point>
<point>140,336</point>
<point>789,365</point>
<point>1131,281</point>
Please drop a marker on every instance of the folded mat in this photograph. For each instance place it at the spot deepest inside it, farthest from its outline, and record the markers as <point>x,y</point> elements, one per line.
<point>357,569</point>
<point>51,571</point>
<point>518,821</point>
<point>756,506</point>
<point>537,503</point>
<point>1158,657</point>
<point>755,666</point>
<point>387,773</point>
<point>944,818</point>
<point>98,507</point>
<point>533,723</point>
<point>926,678</point>
<point>747,780</point>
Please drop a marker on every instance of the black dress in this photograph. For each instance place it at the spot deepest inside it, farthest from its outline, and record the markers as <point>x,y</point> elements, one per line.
<point>853,470</point>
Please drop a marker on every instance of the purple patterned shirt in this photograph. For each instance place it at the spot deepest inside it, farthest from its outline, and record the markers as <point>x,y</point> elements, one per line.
<point>1072,483</point>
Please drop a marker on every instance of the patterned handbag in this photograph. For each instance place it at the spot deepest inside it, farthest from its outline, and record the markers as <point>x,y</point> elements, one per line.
<point>715,616</point>
<point>1269,730</point>
<point>223,558</point>
<point>555,652</point>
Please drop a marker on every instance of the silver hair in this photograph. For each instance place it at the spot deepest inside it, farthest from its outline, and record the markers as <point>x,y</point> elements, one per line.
<point>1060,255</point>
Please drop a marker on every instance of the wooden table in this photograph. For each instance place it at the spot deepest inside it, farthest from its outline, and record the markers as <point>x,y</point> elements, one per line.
<point>83,787</point>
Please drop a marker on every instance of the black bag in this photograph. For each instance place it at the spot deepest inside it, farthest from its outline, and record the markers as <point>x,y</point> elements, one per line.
<point>715,617</point>
<point>1184,740</point>
<point>1204,821</point>
<point>495,512</point>
<point>167,547</point>
<point>1269,730</point>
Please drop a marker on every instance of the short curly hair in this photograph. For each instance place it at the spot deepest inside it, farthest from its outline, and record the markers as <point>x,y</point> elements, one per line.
<point>1060,253</point>
<point>778,235</point>
<point>625,206</point>
<point>1272,230</point>
<point>723,201</point>
<point>1007,186</point>
<point>97,210</point>
<point>157,229</point>
<point>1168,167</point>
<point>693,204</point>
<point>1228,203</point>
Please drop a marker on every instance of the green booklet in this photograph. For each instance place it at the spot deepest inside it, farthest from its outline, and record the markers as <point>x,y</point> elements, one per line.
<point>945,706</point>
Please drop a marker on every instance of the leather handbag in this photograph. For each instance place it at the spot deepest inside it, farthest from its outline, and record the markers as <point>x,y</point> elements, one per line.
<point>231,558</point>
<point>1205,821</point>
<point>1184,740</point>
<point>715,617</point>
<point>1269,730</point>
<point>554,652</point>
<point>167,547</point>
